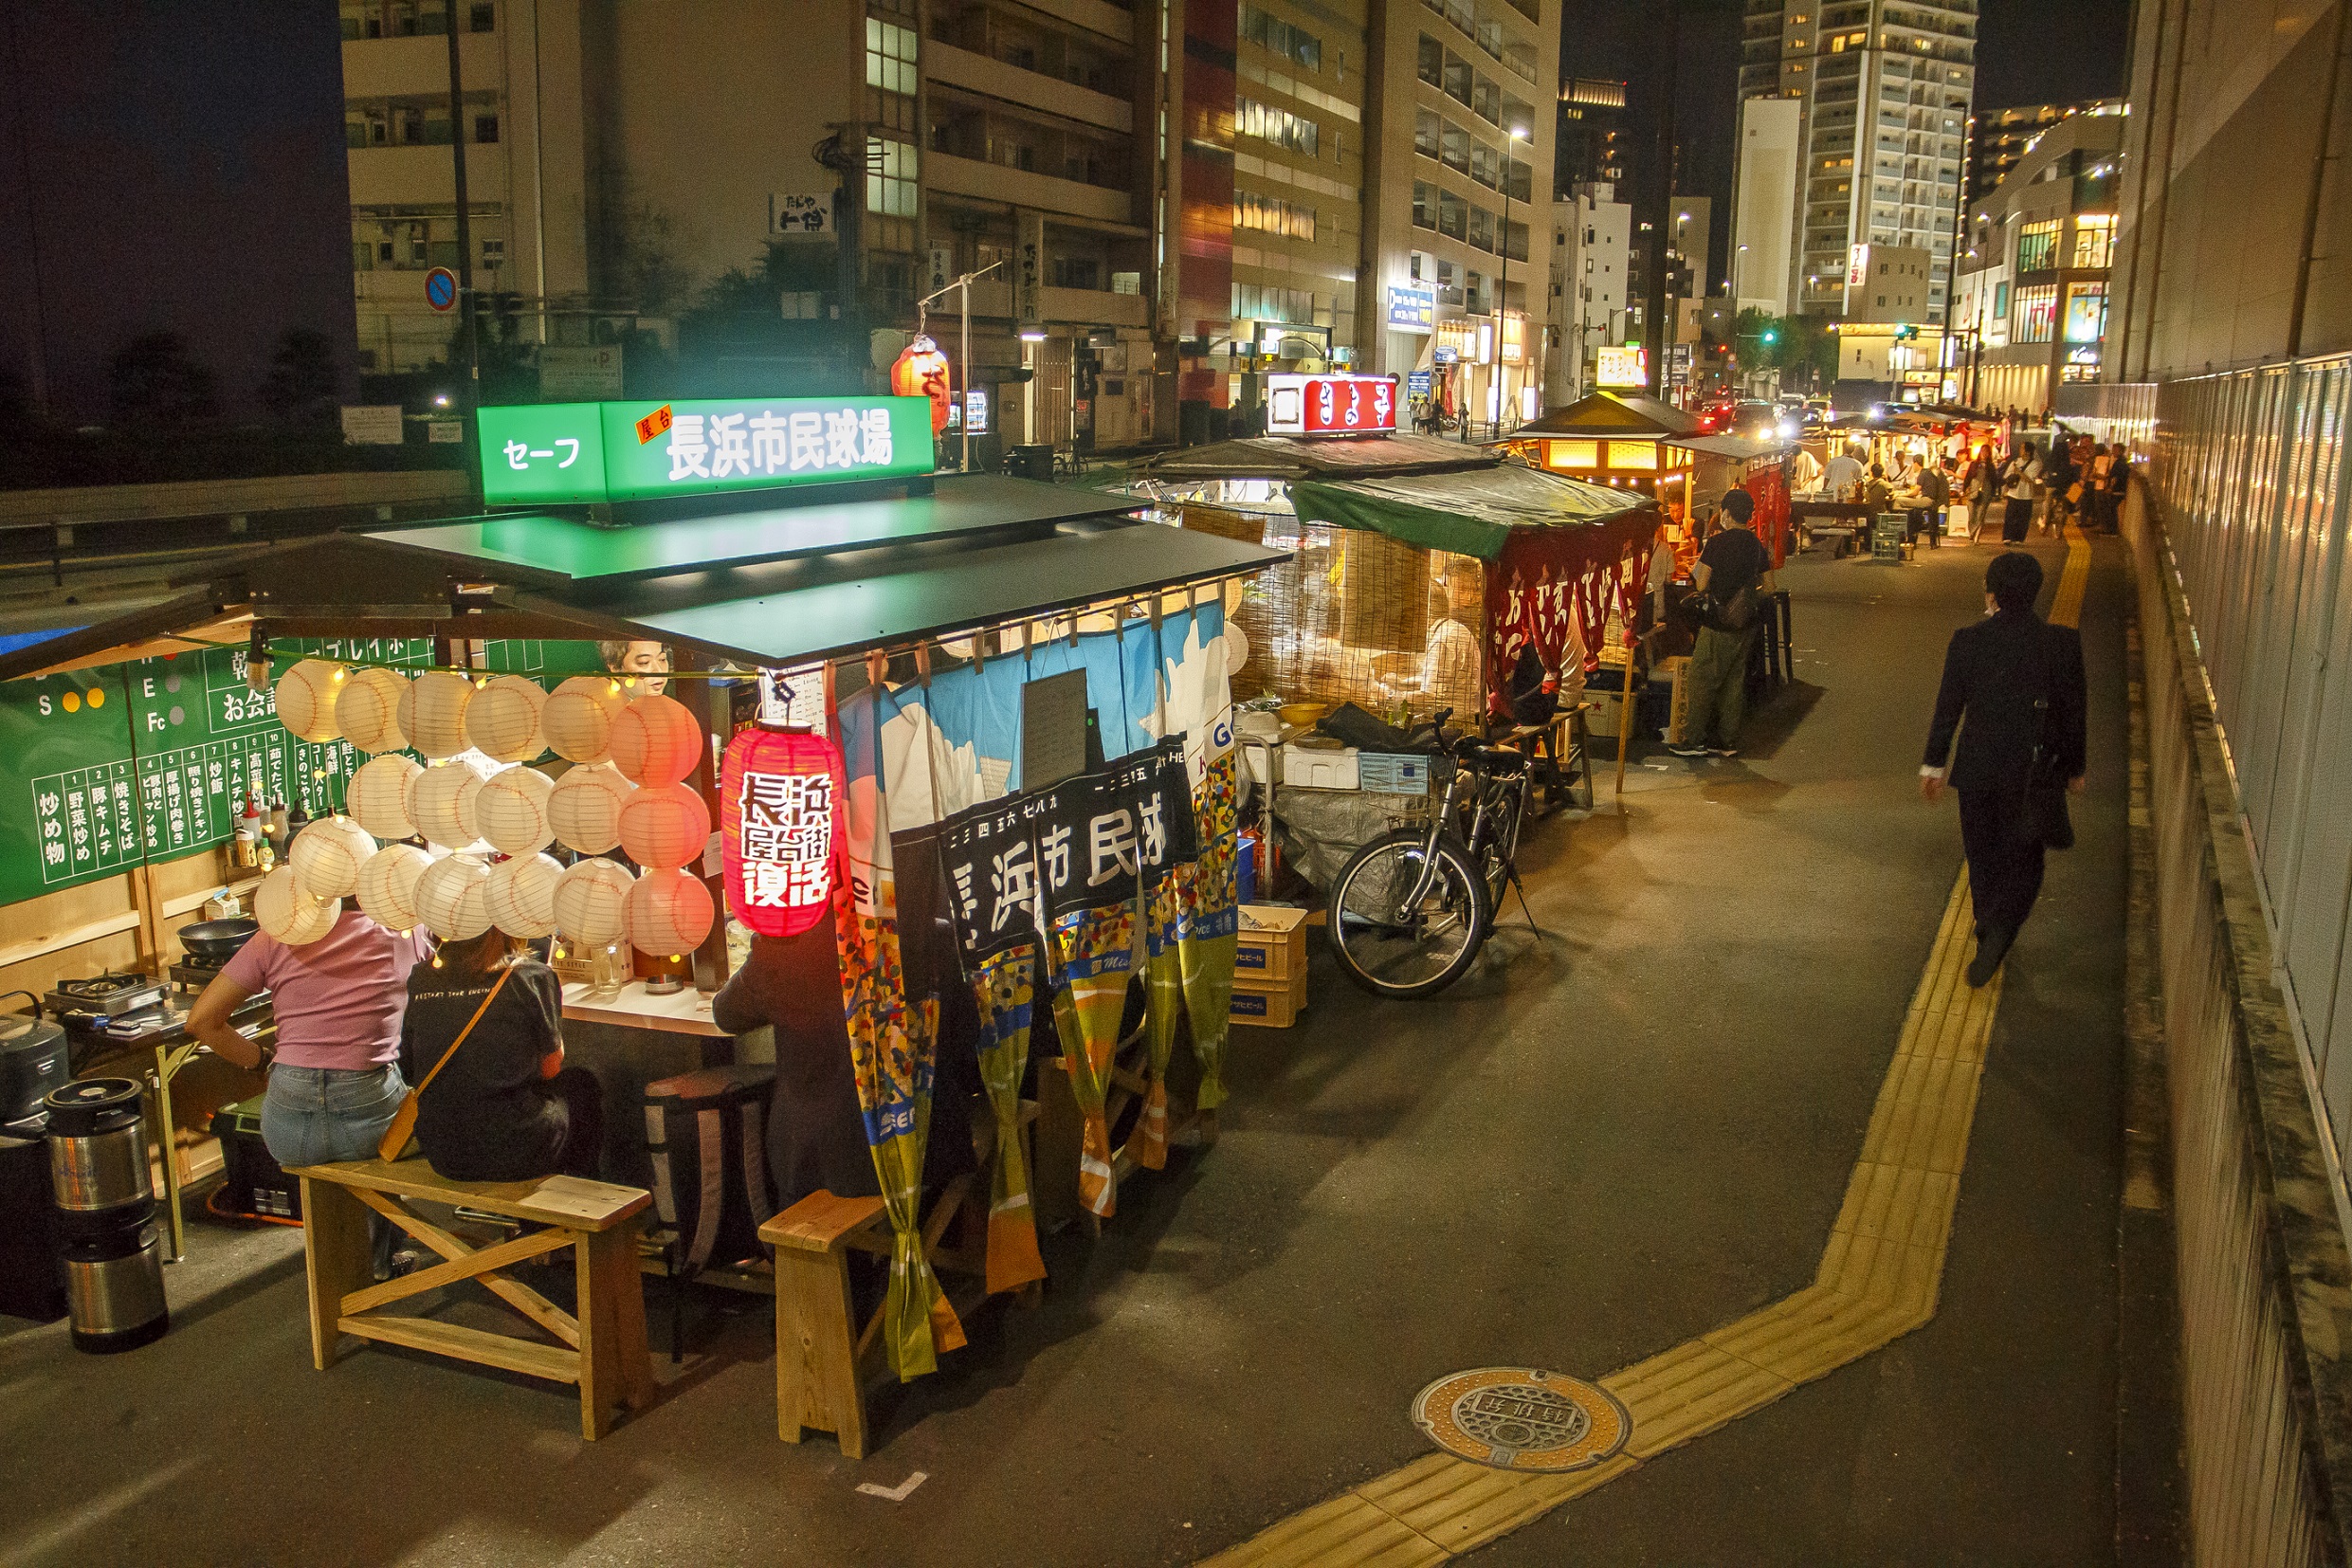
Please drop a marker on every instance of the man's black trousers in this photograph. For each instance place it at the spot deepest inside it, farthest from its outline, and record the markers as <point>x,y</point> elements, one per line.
<point>2005,864</point>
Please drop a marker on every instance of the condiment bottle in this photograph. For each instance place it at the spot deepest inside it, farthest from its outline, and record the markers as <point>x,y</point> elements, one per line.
<point>277,829</point>
<point>249,840</point>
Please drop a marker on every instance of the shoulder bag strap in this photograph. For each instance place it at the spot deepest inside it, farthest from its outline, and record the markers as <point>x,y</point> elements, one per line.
<point>467,1029</point>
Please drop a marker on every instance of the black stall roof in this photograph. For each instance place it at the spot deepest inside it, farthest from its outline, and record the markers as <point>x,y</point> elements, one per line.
<point>768,584</point>
<point>1302,457</point>
<point>1604,414</point>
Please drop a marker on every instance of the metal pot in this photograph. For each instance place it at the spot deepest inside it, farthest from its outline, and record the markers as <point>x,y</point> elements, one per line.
<point>114,1290</point>
<point>98,1151</point>
<point>216,938</point>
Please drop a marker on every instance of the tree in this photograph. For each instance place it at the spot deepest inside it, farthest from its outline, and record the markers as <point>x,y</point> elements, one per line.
<point>155,380</point>
<point>304,383</point>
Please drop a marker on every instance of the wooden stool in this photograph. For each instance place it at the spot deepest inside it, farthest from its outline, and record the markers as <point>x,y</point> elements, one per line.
<point>602,1349</point>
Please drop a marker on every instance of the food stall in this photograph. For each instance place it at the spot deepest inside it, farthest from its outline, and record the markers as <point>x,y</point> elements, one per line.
<point>805,575</point>
<point>1614,439</point>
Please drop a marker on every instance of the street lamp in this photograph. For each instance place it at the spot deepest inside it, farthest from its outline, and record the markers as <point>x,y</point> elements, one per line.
<point>1503,283</point>
<point>963,285</point>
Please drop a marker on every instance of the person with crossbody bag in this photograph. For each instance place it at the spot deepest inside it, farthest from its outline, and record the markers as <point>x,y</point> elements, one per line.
<point>483,1041</point>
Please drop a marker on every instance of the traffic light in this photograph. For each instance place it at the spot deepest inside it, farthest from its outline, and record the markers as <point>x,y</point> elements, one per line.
<point>1772,335</point>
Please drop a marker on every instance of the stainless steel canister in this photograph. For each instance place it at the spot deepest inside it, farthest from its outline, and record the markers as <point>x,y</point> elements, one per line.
<point>97,1150</point>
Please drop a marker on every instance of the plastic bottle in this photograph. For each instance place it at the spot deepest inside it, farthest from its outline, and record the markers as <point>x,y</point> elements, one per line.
<point>248,839</point>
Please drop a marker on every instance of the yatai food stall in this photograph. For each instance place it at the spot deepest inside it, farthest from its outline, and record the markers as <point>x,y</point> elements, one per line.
<point>850,644</point>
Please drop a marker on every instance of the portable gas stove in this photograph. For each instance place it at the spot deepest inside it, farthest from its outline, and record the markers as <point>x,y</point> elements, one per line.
<point>84,1002</point>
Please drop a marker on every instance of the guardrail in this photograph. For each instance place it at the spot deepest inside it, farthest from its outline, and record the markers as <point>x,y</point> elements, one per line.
<point>2258,1193</point>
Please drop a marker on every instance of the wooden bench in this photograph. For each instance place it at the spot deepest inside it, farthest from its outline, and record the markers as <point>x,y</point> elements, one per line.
<point>602,1348</point>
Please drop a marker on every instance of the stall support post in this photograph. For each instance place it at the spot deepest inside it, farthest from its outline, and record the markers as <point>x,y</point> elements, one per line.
<point>710,960</point>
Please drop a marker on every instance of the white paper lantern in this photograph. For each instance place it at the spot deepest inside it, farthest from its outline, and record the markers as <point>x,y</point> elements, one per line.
<point>441,802</point>
<point>377,797</point>
<point>292,916</point>
<point>1236,646</point>
<point>522,895</point>
<point>664,826</point>
<point>669,913</point>
<point>453,898</point>
<point>655,740</point>
<point>367,709</point>
<point>592,902</point>
<point>326,857</point>
<point>388,885</point>
<point>577,719</point>
<point>584,807</point>
<point>511,810</point>
<point>306,699</point>
<point>502,721</point>
<point>435,719</point>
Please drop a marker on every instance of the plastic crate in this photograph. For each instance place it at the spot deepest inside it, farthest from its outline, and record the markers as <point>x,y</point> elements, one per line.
<point>1392,772</point>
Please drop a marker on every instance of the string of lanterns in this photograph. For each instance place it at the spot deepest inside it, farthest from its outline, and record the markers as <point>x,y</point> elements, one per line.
<point>472,799</point>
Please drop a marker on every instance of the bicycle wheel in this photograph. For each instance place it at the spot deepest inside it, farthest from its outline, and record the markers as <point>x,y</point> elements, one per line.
<point>1395,949</point>
<point>1502,835</point>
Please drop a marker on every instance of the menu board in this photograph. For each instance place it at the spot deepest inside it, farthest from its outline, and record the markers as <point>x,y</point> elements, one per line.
<point>102,769</point>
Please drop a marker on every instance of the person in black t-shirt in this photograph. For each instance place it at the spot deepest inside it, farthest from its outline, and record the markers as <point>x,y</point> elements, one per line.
<point>505,1108</point>
<point>1731,570</point>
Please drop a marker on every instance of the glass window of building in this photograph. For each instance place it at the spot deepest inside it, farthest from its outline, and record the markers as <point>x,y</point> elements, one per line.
<point>2037,247</point>
<point>2035,317</point>
<point>2094,239</point>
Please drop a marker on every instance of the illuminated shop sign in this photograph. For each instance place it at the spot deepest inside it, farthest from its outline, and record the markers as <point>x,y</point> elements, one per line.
<point>1330,405</point>
<point>552,452</point>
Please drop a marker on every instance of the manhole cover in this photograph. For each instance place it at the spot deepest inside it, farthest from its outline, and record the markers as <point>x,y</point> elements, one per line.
<point>1519,1418</point>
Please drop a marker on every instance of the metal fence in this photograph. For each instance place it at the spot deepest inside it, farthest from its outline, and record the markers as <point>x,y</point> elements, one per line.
<point>2244,578</point>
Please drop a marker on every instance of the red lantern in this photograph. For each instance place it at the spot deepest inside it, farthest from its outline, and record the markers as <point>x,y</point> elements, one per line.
<point>781,796</point>
<point>922,371</point>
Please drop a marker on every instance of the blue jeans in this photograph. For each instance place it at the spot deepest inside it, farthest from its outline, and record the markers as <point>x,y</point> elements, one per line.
<point>314,1116</point>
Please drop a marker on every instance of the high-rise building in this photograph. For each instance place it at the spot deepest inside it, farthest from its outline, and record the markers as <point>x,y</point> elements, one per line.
<point>1595,141</point>
<point>1882,89</point>
<point>1998,137</point>
<point>1592,231</point>
<point>1458,155</point>
<point>1765,205</point>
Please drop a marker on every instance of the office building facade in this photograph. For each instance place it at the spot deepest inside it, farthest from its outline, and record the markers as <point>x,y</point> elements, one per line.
<point>1883,90</point>
<point>1591,276</point>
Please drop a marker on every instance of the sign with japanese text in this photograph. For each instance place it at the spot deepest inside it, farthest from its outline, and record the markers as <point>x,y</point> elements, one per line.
<point>1624,367</point>
<point>1412,308</point>
<point>569,372</point>
<point>793,215</point>
<point>1029,270</point>
<point>1330,405</point>
<point>556,452</point>
<point>781,794</point>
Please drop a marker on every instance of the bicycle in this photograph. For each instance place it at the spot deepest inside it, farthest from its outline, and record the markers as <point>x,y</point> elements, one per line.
<point>1410,909</point>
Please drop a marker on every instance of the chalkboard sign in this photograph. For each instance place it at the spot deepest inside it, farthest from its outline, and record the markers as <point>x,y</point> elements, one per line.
<point>1888,531</point>
<point>103,768</point>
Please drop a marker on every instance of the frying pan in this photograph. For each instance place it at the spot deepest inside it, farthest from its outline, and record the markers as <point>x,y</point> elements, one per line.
<point>216,938</point>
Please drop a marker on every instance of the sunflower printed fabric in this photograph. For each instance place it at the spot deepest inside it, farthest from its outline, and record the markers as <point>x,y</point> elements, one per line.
<point>1005,984</point>
<point>1206,932</point>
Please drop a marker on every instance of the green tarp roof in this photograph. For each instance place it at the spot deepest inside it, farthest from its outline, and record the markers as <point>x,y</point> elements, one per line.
<point>1470,514</point>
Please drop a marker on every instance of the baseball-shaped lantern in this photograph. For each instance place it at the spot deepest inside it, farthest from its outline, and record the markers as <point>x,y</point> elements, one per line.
<point>1236,646</point>
<point>655,740</point>
<point>388,885</point>
<point>511,810</point>
<point>367,709</point>
<point>326,857</point>
<point>306,697</point>
<point>577,719</point>
<point>781,794</point>
<point>522,895</point>
<point>592,902</point>
<point>292,916</point>
<point>584,807</point>
<point>669,912</point>
<point>435,719</point>
<point>453,898</point>
<point>377,797</point>
<point>663,827</point>
<point>502,721</point>
<point>441,802</point>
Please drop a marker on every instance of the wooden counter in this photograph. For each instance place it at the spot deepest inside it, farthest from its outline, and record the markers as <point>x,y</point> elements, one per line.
<point>685,1011</point>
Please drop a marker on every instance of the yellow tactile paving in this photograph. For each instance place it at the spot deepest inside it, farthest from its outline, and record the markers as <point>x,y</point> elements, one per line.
<point>1879,1279</point>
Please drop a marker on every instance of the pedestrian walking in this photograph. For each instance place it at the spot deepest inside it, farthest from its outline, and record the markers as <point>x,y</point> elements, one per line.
<point>2017,492</point>
<point>2018,682</point>
<point>2058,477</point>
<point>1983,487</point>
<point>1935,482</point>
<point>1733,571</point>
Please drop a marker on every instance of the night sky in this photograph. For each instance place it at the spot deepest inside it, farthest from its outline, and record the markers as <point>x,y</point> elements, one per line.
<point>2027,52</point>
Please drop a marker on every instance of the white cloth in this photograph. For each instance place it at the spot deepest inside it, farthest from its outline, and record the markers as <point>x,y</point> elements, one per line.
<point>1842,474</point>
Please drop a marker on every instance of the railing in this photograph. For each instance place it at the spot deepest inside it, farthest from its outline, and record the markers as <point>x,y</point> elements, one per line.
<point>2240,555</point>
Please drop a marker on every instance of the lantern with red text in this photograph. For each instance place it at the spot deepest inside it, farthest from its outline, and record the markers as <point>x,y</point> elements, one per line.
<point>781,794</point>
<point>922,371</point>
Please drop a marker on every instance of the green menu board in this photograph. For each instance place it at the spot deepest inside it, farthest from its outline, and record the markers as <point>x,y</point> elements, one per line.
<point>103,768</point>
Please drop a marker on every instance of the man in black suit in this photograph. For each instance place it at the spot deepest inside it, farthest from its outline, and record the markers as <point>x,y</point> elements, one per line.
<point>1993,674</point>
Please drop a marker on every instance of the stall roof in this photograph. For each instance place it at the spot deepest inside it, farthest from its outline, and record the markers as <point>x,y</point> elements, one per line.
<point>785,585</point>
<point>1605,414</point>
<point>1297,457</point>
<point>1468,513</point>
<point>1740,448</point>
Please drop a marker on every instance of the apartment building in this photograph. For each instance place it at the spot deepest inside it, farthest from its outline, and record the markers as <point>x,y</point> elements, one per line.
<point>1455,241</point>
<point>1595,141</point>
<point>1998,137</point>
<point>1765,205</point>
<point>1882,89</point>
<point>1591,274</point>
<point>2031,314</point>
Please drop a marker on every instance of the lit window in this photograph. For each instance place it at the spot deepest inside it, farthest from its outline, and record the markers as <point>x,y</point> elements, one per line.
<point>891,57</point>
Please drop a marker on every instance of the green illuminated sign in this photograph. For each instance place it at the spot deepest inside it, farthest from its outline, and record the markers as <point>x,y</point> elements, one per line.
<point>534,454</point>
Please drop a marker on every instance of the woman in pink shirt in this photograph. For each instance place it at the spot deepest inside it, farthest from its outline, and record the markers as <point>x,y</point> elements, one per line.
<point>336,1081</point>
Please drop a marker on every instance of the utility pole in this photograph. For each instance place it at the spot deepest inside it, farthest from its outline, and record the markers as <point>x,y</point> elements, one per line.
<point>1658,333</point>
<point>469,379</point>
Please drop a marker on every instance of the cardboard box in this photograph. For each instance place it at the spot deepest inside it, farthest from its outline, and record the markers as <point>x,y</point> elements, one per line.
<point>1268,1006</point>
<point>1271,946</point>
<point>1679,706</point>
<point>1318,768</point>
